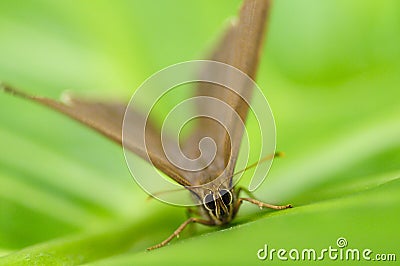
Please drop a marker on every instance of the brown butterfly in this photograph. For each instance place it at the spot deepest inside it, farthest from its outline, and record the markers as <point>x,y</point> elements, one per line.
<point>212,187</point>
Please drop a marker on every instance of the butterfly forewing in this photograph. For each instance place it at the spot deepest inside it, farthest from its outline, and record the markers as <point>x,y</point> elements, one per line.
<point>240,47</point>
<point>107,119</point>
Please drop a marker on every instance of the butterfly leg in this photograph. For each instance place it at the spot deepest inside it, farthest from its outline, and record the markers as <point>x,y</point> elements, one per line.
<point>258,202</point>
<point>264,205</point>
<point>180,229</point>
<point>189,213</point>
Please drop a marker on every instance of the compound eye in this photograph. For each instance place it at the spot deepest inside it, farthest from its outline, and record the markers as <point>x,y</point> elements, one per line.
<point>209,202</point>
<point>226,196</point>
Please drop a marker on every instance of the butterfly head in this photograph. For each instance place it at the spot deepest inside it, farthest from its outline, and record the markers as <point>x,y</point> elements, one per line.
<point>219,205</point>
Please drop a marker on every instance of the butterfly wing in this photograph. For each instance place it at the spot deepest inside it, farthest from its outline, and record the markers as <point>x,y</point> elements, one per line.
<point>240,47</point>
<point>107,119</point>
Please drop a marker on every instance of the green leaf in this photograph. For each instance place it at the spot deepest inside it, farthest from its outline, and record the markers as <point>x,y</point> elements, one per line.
<point>330,71</point>
<point>316,225</point>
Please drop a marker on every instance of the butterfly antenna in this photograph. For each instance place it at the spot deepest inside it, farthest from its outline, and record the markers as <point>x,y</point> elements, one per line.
<point>154,195</point>
<point>266,158</point>
<point>8,89</point>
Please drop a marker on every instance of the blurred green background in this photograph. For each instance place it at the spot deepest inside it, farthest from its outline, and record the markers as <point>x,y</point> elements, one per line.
<point>330,70</point>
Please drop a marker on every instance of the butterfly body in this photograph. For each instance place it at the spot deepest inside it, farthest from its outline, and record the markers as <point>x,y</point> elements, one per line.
<point>216,202</point>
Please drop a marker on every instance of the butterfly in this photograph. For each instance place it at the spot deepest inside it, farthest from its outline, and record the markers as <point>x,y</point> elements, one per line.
<point>212,187</point>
